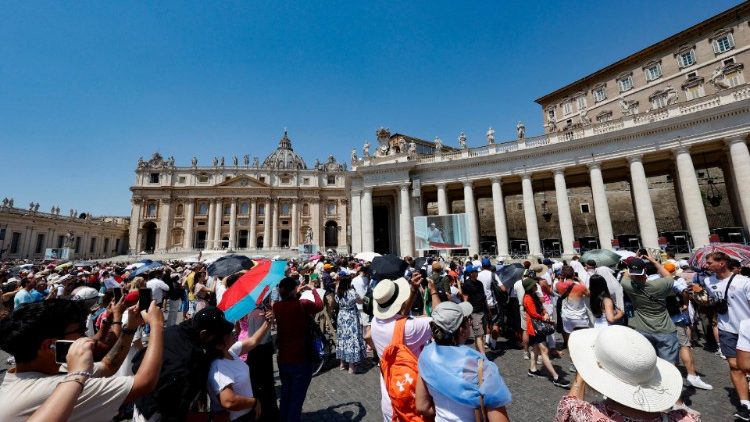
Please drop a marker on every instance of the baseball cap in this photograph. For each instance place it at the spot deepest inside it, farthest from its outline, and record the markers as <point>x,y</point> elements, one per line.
<point>486,262</point>
<point>132,296</point>
<point>212,320</point>
<point>449,316</point>
<point>637,267</point>
<point>670,267</point>
<point>86,293</point>
<point>471,269</point>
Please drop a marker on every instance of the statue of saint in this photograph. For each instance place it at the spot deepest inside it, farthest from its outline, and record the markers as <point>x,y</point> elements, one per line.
<point>412,149</point>
<point>717,78</point>
<point>195,161</point>
<point>235,162</point>
<point>221,162</point>
<point>366,150</point>
<point>170,161</point>
<point>246,160</point>
<point>462,140</point>
<point>308,236</point>
<point>141,163</point>
<point>36,207</point>
<point>215,162</point>
<point>490,136</point>
<point>256,163</point>
<point>520,130</point>
<point>585,117</point>
<point>354,156</point>
<point>438,146</point>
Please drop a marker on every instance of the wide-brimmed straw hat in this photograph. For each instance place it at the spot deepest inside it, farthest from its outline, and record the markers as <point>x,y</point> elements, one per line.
<point>389,296</point>
<point>622,365</point>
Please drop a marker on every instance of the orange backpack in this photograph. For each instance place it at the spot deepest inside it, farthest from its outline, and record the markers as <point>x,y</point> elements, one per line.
<point>398,365</point>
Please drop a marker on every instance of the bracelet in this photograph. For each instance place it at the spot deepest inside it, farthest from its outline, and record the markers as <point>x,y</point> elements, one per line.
<point>72,380</point>
<point>128,331</point>
<point>81,373</point>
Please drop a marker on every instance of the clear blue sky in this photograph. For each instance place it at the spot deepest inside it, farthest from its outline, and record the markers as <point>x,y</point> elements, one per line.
<point>88,87</point>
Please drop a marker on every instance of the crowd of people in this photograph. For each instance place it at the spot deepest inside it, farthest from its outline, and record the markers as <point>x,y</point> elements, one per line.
<point>85,345</point>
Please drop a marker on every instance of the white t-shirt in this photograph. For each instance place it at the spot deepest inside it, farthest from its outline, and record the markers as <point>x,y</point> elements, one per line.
<point>416,335</point>
<point>158,288</point>
<point>360,286</point>
<point>738,301</point>
<point>230,372</point>
<point>486,277</point>
<point>448,410</point>
<point>220,289</point>
<point>743,341</point>
<point>22,394</point>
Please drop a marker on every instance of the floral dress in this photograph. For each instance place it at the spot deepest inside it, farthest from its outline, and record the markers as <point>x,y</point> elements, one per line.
<point>572,409</point>
<point>350,343</point>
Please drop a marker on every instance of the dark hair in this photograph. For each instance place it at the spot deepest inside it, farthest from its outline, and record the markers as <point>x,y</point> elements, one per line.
<point>718,256</point>
<point>745,272</point>
<point>287,286</point>
<point>537,301</point>
<point>568,271</point>
<point>23,333</point>
<point>233,279</point>
<point>442,338</point>
<point>733,263</point>
<point>345,283</point>
<point>598,290</point>
<point>591,263</point>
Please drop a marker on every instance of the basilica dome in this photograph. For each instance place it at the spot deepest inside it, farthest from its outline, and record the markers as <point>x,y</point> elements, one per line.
<point>284,157</point>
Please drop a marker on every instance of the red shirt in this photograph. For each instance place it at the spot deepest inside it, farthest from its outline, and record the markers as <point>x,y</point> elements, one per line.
<point>292,318</point>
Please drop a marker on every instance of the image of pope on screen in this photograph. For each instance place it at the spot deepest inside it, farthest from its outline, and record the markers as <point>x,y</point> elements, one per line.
<point>441,232</point>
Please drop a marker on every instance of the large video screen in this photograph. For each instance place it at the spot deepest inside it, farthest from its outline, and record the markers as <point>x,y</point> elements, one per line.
<point>441,232</point>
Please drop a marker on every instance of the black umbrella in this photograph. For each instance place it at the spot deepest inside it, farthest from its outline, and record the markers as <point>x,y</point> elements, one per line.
<point>420,262</point>
<point>228,265</point>
<point>388,266</point>
<point>510,273</point>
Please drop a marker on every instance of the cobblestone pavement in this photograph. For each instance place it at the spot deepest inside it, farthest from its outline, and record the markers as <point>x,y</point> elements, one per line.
<point>339,396</point>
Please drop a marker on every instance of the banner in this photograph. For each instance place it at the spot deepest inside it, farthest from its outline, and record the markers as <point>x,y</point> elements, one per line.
<point>441,232</point>
<point>57,253</point>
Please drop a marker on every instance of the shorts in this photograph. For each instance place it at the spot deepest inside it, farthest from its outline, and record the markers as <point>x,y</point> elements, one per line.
<point>666,345</point>
<point>683,336</point>
<point>728,343</point>
<point>522,313</point>
<point>477,324</point>
<point>364,319</point>
<point>537,339</point>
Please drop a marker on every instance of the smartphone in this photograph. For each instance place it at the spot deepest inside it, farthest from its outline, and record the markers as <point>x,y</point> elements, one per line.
<point>144,298</point>
<point>118,293</point>
<point>61,350</point>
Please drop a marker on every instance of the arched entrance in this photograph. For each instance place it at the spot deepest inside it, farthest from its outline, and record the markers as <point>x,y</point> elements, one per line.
<point>149,237</point>
<point>259,242</point>
<point>332,234</point>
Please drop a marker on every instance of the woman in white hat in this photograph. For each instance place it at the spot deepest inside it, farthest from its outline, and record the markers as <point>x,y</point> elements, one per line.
<point>449,386</point>
<point>621,364</point>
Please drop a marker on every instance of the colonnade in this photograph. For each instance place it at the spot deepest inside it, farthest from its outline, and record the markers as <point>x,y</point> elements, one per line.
<point>692,204</point>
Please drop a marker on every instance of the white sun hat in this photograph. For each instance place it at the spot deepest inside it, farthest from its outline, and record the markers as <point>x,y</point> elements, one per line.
<point>622,365</point>
<point>389,295</point>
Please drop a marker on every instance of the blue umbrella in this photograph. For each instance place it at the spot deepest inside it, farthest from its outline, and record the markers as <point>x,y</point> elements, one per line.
<point>145,268</point>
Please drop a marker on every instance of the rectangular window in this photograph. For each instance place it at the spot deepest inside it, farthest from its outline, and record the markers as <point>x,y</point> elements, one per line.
<point>551,114</point>
<point>626,83</point>
<point>92,245</point>
<point>181,180</point>
<point>567,107</point>
<point>331,208</point>
<point>734,78</point>
<point>226,209</point>
<point>653,72</point>
<point>686,59</point>
<point>39,243</point>
<point>600,94</point>
<point>60,241</point>
<point>261,209</point>
<point>77,247</point>
<point>581,102</point>
<point>659,102</point>
<point>244,208</point>
<point>723,44</point>
<point>305,181</point>
<point>151,209</point>
<point>153,178</point>
<point>286,180</point>
<point>262,179</point>
<point>331,180</point>
<point>604,117</point>
<point>106,245</point>
<point>202,178</point>
<point>694,92</point>
<point>117,245</point>
<point>15,241</point>
<point>585,209</point>
<point>202,208</point>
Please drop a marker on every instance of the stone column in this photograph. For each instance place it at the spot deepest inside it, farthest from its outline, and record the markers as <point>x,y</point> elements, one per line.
<point>368,236</point>
<point>294,236</point>
<point>317,240</point>
<point>218,222</point>
<point>253,223</point>
<point>405,223</point>
<point>695,212</point>
<point>356,222</point>
<point>563,214</point>
<point>601,207</point>
<point>233,224</point>
<point>135,224</point>
<point>211,220</point>
<point>275,227</point>
<point>498,210</point>
<point>189,216</point>
<point>267,225</point>
<point>643,208</point>
<point>164,224</point>
<point>442,199</point>
<point>471,216</point>
<point>529,211</point>
<point>740,158</point>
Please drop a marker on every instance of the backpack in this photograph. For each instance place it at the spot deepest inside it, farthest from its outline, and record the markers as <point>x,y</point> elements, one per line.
<point>367,302</point>
<point>398,365</point>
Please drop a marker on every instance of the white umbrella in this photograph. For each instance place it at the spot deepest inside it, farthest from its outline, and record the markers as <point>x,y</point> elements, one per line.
<point>625,254</point>
<point>366,256</point>
<point>134,266</point>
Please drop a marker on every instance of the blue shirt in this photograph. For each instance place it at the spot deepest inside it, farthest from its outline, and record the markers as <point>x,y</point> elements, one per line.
<point>22,297</point>
<point>38,296</point>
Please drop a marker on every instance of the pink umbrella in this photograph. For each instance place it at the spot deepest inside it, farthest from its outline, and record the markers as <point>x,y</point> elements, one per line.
<point>737,251</point>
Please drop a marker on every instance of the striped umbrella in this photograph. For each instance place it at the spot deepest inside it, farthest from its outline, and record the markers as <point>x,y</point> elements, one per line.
<point>737,251</point>
<point>248,291</point>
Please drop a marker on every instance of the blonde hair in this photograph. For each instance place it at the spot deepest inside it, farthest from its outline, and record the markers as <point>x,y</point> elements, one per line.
<point>137,283</point>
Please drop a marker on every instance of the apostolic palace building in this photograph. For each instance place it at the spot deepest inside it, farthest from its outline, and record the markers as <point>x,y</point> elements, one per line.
<point>649,151</point>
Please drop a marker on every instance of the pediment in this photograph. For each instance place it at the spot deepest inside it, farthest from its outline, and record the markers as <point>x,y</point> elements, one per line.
<point>243,181</point>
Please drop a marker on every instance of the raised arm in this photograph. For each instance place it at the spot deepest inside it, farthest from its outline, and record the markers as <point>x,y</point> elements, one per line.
<point>148,372</point>
<point>251,342</point>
